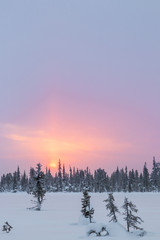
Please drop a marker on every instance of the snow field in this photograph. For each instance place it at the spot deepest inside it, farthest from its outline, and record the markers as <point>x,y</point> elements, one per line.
<point>60,216</point>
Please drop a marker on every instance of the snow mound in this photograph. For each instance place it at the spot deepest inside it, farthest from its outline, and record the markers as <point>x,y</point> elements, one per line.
<point>97,229</point>
<point>116,230</point>
<point>139,233</point>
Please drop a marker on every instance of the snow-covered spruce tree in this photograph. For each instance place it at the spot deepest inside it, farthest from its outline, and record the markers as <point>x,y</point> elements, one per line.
<point>39,188</point>
<point>59,176</point>
<point>87,211</point>
<point>24,182</point>
<point>155,175</point>
<point>111,207</point>
<point>31,182</point>
<point>131,219</point>
<point>146,180</point>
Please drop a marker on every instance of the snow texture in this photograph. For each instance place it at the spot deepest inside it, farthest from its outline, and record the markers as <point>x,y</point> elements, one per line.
<point>59,217</point>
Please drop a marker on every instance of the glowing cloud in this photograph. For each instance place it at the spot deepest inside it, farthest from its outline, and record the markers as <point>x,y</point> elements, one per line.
<point>41,146</point>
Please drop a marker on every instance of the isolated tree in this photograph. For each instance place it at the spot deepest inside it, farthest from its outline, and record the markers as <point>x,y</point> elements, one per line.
<point>87,211</point>
<point>131,219</point>
<point>111,207</point>
<point>39,189</point>
<point>7,227</point>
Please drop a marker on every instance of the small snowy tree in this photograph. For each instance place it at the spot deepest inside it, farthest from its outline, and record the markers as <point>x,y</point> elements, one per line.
<point>7,227</point>
<point>131,219</point>
<point>87,211</point>
<point>111,207</point>
<point>39,189</point>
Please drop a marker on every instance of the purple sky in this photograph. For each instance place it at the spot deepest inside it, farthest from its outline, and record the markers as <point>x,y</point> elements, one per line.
<point>79,81</point>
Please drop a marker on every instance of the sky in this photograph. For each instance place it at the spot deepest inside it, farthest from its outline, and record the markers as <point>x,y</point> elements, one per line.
<point>80,82</point>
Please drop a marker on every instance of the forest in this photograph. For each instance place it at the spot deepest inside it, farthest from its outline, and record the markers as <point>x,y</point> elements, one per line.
<point>121,180</point>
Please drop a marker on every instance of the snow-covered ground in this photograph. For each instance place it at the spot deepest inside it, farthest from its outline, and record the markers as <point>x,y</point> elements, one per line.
<point>59,218</point>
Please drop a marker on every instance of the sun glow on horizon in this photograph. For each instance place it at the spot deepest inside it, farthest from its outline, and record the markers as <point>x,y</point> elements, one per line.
<point>52,165</point>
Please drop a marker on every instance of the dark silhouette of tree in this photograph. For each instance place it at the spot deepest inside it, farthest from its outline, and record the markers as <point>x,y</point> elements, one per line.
<point>131,220</point>
<point>77,179</point>
<point>24,182</point>
<point>39,189</point>
<point>59,176</point>
<point>146,181</point>
<point>113,210</point>
<point>87,211</point>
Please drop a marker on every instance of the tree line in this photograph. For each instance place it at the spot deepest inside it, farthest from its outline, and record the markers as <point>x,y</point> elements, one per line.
<point>77,179</point>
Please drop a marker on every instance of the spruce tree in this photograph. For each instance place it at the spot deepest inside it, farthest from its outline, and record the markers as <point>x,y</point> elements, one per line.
<point>136,181</point>
<point>18,179</point>
<point>111,207</point>
<point>31,183</point>
<point>146,180</point>
<point>131,219</point>
<point>87,211</point>
<point>59,176</point>
<point>48,180</point>
<point>15,182</point>
<point>24,182</point>
<point>126,179</point>
<point>155,175</point>
<point>39,189</point>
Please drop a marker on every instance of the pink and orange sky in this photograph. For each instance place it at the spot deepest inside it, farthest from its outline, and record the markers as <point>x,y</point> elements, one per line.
<point>80,82</point>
